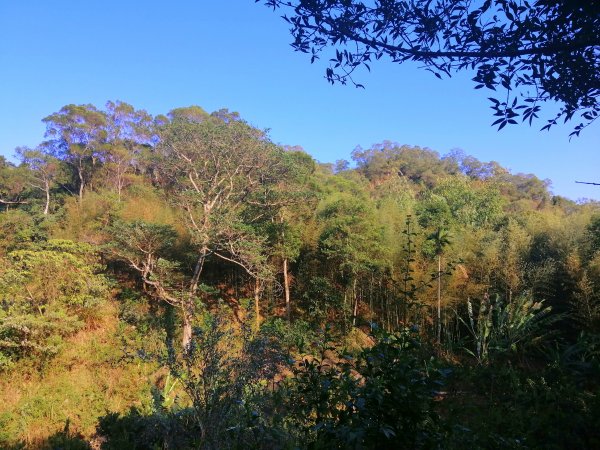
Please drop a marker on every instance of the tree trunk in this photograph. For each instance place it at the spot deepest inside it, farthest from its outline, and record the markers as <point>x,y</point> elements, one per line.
<point>81,184</point>
<point>439,301</point>
<point>47,191</point>
<point>257,304</point>
<point>198,271</point>
<point>119,188</point>
<point>344,308</point>
<point>186,340</point>
<point>286,287</point>
<point>188,306</point>
<point>355,311</point>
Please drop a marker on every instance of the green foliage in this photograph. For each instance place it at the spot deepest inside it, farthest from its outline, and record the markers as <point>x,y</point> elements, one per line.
<point>48,290</point>
<point>45,172</point>
<point>87,222</point>
<point>508,329</point>
<point>18,229</point>
<point>296,336</point>
<point>593,236</point>
<point>471,204</point>
<point>457,201</point>
<point>77,135</point>
<point>138,240</point>
<point>135,430</point>
<point>321,298</point>
<point>350,236</point>
<point>507,407</point>
<point>224,376</point>
<point>150,320</point>
<point>586,304</point>
<point>85,379</point>
<point>33,336</point>
<point>381,399</point>
<point>67,440</point>
<point>434,211</point>
<point>388,160</point>
<point>439,240</point>
<point>54,273</point>
<point>14,186</point>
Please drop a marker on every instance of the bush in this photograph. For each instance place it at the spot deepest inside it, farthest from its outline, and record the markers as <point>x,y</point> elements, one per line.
<point>293,336</point>
<point>47,292</point>
<point>226,376</point>
<point>134,430</point>
<point>381,399</point>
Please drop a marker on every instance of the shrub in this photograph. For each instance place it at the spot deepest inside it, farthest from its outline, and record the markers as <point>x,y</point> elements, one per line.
<point>381,399</point>
<point>47,291</point>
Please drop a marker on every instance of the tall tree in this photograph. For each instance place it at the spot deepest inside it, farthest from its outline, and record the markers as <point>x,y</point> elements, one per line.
<point>351,240</point>
<point>44,169</point>
<point>440,239</point>
<point>515,241</point>
<point>78,136</point>
<point>129,132</point>
<point>298,204</point>
<point>222,175</point>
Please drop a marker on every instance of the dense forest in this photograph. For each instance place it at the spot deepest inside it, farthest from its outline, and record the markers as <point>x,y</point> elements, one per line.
<point>181,281</point>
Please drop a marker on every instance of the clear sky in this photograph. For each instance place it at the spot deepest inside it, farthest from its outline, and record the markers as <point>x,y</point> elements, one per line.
<point>235,54</point>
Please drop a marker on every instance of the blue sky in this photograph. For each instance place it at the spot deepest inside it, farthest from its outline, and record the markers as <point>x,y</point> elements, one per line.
<point>235,54</point>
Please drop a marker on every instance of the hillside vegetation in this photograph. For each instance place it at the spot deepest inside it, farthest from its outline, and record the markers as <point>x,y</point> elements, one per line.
<point>181,281</point>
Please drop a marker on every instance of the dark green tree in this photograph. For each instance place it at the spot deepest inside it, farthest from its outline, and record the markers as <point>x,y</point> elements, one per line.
<point>297,205</point>
<point>13,184</point>
<point>351,241</point>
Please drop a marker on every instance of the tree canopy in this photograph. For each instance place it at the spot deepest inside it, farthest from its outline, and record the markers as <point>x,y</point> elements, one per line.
<point>528,53</point>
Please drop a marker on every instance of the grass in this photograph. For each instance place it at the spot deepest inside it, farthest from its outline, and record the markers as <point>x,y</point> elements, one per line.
<point>87,380</point>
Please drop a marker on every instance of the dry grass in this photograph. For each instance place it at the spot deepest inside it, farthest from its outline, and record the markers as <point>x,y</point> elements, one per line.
<point>87,380</point>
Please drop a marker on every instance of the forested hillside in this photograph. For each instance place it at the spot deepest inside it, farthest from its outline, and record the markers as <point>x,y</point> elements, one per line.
<point>181,281</point>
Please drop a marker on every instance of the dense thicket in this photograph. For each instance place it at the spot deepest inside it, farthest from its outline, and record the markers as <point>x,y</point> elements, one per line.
<point>412,279</point>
